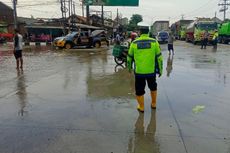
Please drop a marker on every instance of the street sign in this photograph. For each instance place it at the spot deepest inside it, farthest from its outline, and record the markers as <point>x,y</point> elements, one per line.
<point>112,2</point>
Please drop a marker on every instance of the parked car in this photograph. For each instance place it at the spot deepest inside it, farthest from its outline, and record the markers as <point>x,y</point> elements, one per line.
<point>162,37</point>
<point>96,39</point>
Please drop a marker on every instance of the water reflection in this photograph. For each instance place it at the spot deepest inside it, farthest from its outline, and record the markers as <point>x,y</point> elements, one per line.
<point>144,142</point>
<point>169,65</point>
<point>22,94</point>
<point>118,68</point>
<point>119,84</point>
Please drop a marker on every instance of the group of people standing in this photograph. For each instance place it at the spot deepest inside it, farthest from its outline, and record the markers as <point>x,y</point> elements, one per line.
<point>205,39</point>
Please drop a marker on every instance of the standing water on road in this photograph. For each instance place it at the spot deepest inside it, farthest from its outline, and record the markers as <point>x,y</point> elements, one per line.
<point>81,101</point>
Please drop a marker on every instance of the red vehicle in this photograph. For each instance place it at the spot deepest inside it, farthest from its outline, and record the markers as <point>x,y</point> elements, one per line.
<point>7,36</point>
<point>41,38</point>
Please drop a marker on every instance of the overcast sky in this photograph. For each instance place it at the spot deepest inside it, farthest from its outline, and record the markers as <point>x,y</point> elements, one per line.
<point>151,10</point>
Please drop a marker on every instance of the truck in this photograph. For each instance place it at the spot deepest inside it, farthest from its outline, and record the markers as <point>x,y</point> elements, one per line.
<point>159,26</point>
<point>224,33</point>
<point>178,29</point>
<point>195,31</point>
<point>182,33</point>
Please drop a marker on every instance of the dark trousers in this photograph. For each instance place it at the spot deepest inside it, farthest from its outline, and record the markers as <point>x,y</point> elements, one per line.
<point>204,43</point>
<point>18,54</point>
<point>170,47</point>
<point>140,83</point>
<point>214,42</point>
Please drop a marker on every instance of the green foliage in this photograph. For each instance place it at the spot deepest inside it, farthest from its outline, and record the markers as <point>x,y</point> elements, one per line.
<point>136,18</point>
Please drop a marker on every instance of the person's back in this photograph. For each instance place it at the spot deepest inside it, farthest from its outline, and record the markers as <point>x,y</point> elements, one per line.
<point>18,41</point>
<point>171,39</point>
<point>170,43</point>
<point>215,39</point>
<point>206,35</point>
<point>118,39</point>
<point>18,49</point>
<point>145,53</point>
<point>145,50</point>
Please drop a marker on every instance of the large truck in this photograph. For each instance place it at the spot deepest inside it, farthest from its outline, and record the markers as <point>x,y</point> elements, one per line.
<point>224,33</point>
<point>179,27</point>
<point>159,26</point>
<point>195,31</point>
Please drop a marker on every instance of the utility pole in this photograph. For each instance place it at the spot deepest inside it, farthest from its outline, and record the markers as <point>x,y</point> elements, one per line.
<point>225,5</point>
<point>63,10</point>
<point>117,17</point>
<point>102,15</point>
<point>74,9</point>
<point>15,14</point>
<point>182,17</point>
<point>83,9</point>
<point>87,13</point>
<point>69,8</point>
<point>70,18</point>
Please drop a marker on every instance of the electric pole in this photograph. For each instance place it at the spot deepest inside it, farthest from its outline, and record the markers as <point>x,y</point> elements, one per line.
<point>64,11</point>
<point>102,15</point>
<point>117,17</point>
<point>15,14</point>
<point>87,13</point>
<point>182,17</point>
<point>83,9</point>
<point>225,5</point>
<point>74,9</point>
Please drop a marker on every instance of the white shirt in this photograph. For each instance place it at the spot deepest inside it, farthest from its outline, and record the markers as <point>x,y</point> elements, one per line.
<point>19,45</point>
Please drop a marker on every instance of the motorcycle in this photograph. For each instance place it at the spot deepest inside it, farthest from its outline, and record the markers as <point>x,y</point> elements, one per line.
<point>120,52</point>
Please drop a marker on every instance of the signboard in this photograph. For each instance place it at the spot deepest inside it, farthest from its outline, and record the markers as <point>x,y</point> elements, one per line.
<point>112,2</point>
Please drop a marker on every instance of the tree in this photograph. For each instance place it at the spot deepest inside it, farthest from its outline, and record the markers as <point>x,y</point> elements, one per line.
<point>134,20</point>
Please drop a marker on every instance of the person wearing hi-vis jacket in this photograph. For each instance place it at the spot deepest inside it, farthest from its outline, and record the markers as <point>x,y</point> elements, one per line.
<point>146,54</point>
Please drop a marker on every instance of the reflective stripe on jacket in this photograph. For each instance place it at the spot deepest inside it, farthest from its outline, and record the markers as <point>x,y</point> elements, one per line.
<point>146,54</point>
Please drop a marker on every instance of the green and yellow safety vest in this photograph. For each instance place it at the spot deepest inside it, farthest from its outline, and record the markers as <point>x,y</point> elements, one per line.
<point>215,36</point>
<point>146,54</point>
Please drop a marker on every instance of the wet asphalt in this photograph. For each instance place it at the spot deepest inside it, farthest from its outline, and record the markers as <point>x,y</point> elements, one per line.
<point>82,102</point>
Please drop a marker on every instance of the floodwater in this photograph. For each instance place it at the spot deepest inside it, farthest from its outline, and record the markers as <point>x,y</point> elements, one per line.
<point>82,102</point>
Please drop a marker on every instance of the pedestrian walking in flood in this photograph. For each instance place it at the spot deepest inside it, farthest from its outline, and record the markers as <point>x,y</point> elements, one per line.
<point>204,40</point>
<point>18,49</point>
<point>170,43</point>
<point>118,39</point>
<point>146,54</point>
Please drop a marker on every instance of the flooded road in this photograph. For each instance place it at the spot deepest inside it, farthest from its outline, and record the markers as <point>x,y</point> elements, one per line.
<point>81,102</point>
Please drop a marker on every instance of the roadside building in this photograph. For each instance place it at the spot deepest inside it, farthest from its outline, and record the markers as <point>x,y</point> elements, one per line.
<point>6,20</point>
<point>6,13</point>
<point>217,20</point>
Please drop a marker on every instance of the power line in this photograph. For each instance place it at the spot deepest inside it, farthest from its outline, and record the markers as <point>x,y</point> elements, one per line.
<point>38,4</point>
<point>225,5</point>
<point>195,11</point>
